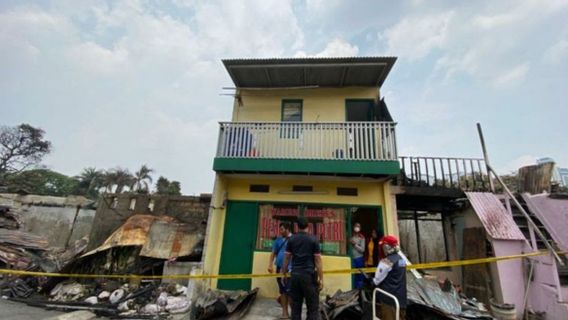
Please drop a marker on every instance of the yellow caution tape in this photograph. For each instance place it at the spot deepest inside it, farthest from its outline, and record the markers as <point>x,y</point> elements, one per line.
<point>432,265</point>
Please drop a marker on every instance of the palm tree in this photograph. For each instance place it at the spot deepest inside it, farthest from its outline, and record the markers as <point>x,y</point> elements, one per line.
<point>108,180</point>
<point>90,180</point>
<point>122,178</point>
<point>142,179</point>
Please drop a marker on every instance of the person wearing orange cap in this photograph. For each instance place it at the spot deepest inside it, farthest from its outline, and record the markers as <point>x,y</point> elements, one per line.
<point>391,277</point>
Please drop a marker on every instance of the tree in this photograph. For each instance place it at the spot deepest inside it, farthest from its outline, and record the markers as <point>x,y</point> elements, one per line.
<point>90,181</point>
<point>42,182</point>
<point>165,187</point>
<point>162,185</point>
<point>123,178</point>
<point>118,179</point>
<point>174,189</point>
<point>21,147</point>
<point>142,179</point>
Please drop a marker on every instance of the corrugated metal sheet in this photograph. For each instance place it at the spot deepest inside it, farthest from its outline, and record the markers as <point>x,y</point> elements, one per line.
<point>498,223</point>
<point>161,237</point>
<point>306,72</point>
<point>553,213</point>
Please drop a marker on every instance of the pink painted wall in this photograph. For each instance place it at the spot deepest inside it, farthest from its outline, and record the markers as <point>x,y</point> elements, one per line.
<point>510,277</point>
<point>543,291</point>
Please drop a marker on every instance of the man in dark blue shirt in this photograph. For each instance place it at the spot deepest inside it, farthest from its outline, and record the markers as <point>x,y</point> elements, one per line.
<point>277,258</point>
<point>307,271</point>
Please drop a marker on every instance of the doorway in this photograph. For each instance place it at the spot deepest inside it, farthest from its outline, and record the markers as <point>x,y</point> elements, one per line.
<point>361,137</point>
<point>369,218</point>
<point>238,244</point>
<point>359,110</point>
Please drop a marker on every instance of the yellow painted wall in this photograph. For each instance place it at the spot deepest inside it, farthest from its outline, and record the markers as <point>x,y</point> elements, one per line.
<point>319,104</point>
<point>332,283</point>
<point>215,227</point>
<point>370,193</point>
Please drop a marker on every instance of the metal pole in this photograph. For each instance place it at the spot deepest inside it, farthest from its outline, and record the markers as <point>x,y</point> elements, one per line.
<point>485,157</point>
<point>510,194</point>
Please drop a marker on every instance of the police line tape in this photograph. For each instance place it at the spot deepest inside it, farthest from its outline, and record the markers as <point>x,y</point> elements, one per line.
<point>431,265</point>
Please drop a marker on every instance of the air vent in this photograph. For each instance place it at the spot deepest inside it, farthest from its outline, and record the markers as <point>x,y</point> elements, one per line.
<point>302,188</point>
<point>259,188</point>
<point>347,191</point>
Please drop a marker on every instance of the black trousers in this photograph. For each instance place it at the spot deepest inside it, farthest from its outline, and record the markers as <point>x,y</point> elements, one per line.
<point>304,286</point>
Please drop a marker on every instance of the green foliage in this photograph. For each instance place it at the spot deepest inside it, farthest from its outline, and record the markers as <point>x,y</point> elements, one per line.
<point>141,180</point>
<point>90,181</point>
<point>165,187</point>
<point>42,182</point>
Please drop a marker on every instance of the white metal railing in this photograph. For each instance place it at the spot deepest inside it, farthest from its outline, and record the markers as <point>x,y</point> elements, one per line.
<point>396,303</point>
<point>308,140</point>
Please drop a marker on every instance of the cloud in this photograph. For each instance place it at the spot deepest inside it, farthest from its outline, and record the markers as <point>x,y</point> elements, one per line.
<point>557,53</point>
<point>335,48</point>
<point>339,48</point>
<point>138,81</point>
<point>515,164</point>
<point>416,36</point>
<point>512,77</point>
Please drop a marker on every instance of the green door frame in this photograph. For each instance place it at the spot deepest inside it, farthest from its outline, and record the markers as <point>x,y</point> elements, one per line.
<point>239,241</point>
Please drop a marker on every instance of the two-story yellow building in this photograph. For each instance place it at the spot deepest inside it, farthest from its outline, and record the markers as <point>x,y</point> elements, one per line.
<point>308,137</point>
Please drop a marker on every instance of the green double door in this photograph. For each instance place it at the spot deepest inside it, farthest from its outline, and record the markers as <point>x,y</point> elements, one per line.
<point>239,238</point>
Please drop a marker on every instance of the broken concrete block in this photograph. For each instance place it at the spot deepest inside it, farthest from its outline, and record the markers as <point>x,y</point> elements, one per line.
<point>104,295</point>
<point>92,300</point>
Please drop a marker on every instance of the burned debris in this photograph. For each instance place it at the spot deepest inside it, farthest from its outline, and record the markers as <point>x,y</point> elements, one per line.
<point>147,245</point>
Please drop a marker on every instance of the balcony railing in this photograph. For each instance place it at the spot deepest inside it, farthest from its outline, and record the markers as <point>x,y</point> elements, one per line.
<point>467,174</point>
<point>367,141</point>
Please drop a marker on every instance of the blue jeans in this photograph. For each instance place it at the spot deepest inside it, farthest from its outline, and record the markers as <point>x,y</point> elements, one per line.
<point>357,277</point>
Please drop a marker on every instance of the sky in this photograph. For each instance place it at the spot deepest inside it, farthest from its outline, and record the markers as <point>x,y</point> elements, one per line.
<point>126,83</point>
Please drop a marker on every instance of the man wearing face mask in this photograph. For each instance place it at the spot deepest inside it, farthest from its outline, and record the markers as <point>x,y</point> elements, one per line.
<point>357,254</point>
<point>391,277</point>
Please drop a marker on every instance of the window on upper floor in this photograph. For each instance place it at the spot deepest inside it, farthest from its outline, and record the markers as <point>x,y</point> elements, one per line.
<point>291,110</point>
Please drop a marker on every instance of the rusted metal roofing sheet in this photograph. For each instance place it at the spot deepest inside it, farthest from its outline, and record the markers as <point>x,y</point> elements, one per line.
<point>307,72</point>
<point>553,213</point>
<point>161,237</point>
<point>498,223</point>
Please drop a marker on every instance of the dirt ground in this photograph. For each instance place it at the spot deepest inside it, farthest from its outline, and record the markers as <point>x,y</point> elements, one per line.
<point>18,311</point>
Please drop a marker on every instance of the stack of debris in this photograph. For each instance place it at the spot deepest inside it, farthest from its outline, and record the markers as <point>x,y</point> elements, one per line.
<point>143,245</point>
<point>116,300</point>
<point>426,300</point>
<point>19,249</point>
<point>229,305</point>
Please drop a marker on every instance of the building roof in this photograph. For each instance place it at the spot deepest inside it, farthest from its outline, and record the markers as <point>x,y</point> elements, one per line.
<point>309,72</point>
<point>498,222</point>
<point>161,237</point>
<point>553,213</point>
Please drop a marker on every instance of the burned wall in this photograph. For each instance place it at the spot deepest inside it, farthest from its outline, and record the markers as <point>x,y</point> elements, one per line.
<point>114,209</point>
<point>52,217</point>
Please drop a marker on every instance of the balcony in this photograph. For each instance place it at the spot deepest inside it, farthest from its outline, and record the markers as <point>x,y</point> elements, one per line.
<point>342,148</point>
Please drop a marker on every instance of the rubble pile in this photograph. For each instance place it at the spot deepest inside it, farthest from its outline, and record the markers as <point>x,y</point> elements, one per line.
<point>19,249</point>
<point>115,300</point>
<point>220,304</point>
<point>427,299</point>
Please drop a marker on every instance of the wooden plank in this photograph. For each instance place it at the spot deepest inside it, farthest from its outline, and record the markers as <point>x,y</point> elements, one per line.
<point>476,278</point>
